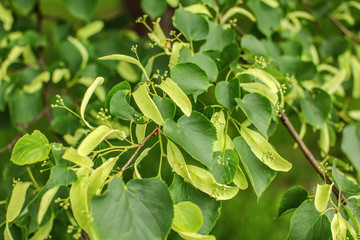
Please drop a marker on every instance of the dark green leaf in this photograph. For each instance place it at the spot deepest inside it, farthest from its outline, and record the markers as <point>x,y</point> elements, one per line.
<point>292,199</point>
<point>267,18</point>
<point>218,37</point>
<point>254,45</point>
<point>30,149</point>
<point>316,106</point>
<point>142,209</point>
<point>258,109</point>
<point>345,184</point>
<point>23,6</point>
<point>125,85</point>
<point>302,70</point>
<point>61,174</point>
<point>121,108</point>
<point>194,27</point>
<point>195,134</point>
<point>202,60</point>
<point>224,166</point>
<point>350,145</point>
<point>82,9</point>
<point>4,86</point>
<point>190,78</point>
<point>226,92</point>
<point>210,208</point>
<point>166,107</point>
<point>24,107</point>
<point>224,58</point>
<point>307,223</point>
<point>154,8</point>
<point>259,174</point>
<point>65,124</point>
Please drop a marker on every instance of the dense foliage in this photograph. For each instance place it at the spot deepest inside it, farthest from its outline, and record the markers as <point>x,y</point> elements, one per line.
<point>141,136</point>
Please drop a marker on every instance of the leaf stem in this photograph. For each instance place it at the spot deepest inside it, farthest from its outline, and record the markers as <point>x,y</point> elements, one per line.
<point>161,155</point>
<point>137,150</point>
<point>309,156</point>
<point>32,178</point>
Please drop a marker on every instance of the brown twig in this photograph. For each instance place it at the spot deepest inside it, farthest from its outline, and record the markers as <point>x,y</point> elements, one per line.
<point>26,127</point>
<point>344,29</point>
<point>309,156</point>
<point>138,149</point>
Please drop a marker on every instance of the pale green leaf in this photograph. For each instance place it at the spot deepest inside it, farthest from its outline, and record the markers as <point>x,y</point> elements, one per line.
<point>140,130</point>
<point>59,74</point>
<point>219,122</point>
<point>147,105</point>
<point>187,217</point>
<point>37,83</point>
<point>198,8</point>
<point>127,72</point>
<point>82,50</point>
<point>157,35</point>
<point>177,95</point>
<point>89,30</point>
<point>324,140</point>
<point>89,92</point>
<point>43,232</point>
<point>31,149</point>
<point>195,236</point>
<point>6,18</point>
<point>261,89</point>
<point>265,77</point>
<point>142,155</point>
<point>14,54</point>
<point>177,161</point>
<point>72,155</point>
<point>98,177</point>
<point>237,10</point>
<point>7,233</point>
<point>79,203</point>
<point>98,135</point>
<point>240,179</point>
<point>338,227</point>
<point>45,202</point>
<point>17,200</point>
<point>322,196</point>
<point>120,57</point>
<point>264,151</point>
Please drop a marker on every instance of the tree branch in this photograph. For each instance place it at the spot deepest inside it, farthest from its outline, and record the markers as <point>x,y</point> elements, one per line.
<point>26,127</point>
<point>344,29</point>
<point>309,156</point>
<point>138,149</point>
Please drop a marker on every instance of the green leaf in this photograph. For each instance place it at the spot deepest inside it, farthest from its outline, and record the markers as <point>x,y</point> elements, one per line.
<point>258,109</point>
<point>146,104</point>
<point>166,106</point>
<point>261,89</point>
<point>89,30</point>
<point>7,233</point>
<point>187,217</point>
<point>188,132</point>
<point>121,108</point>
<point>23,6</point>
<point>224,166</point>
<point>31,149</point>
<point>210,207</point>
<point>222,142</point>
<point>177,95</point>
<point>218,38</point>
<point>61,174</point>
<point>141,209</point>
<point>322,196</point>
<point>17,200</point>
<point>79,203</point>
<point>98,135</point>
<point>240,179</point>
<point>89,92</point>
<point>140,130</point>
<point>317,224</point>
<point>143,154</point>
<point>338,227</point>
<point>98,177</point>
<point>264,151</point>
<point>45,202</point>
<point>237,10</point>
<point>355,68</point>
<point>154,8</point>
<point>44,231</point>
<point>344,183</point>
<point>82,9</point>
<point>198,177</point>
<point>254,45</point>
<point>124,85</point>
<point>190,78</point>
<point>258,173</point>
<point>223,58</point>
<point>267,18</point>
<point>316,106</point>
<point>194,27</point>
<point>350,145</point>
<point>202,60</point>
<point>302,70</point>
<point>226,92</point>
<point>7,19</point>
<point>292,199</point>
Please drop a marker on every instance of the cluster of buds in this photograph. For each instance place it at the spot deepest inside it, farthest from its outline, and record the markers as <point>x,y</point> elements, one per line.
<point>142,19</point>
<point>15,181</point>
<point>71,229</point>
<point>233,22</point>
<point>260,61</point>
<point>59,102</point>
<point>103,114</point>
<point>157,75</point>
<point>64,203</point>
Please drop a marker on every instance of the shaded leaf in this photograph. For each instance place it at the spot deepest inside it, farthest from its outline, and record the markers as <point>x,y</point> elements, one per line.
<point>345,184</point>
<point>82,9</point>
<point>292,199</point>
<point>166,107</point>
<point>350,145</point>
<point>224,166</point>
<point>226,92</point>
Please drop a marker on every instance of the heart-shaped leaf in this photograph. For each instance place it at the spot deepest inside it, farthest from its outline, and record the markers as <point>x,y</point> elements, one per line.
<point>141,209</point>
<point>195,134</point>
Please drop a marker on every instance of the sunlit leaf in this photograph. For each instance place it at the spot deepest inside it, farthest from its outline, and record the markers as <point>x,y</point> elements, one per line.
<point>322,196</point>
<point>17,200</point>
